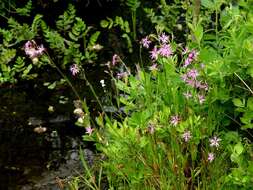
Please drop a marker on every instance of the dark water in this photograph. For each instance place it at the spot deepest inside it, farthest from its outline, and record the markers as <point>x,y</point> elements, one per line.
<point>28,157</point>
<point>37,146</point>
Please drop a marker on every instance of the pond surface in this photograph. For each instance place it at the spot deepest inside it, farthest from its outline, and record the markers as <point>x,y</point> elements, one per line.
<point>37,147</point>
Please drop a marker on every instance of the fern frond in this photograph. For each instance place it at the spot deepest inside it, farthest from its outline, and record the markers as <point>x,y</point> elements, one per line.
<point>55,40</point>
<point>133,4</point>
<point>93,39</point>
<point>26,10</point>
<point>77,30</point>
<point>36,23</point>
<point>19,64</point>
<point>6,55</point>
<point>67,19</point>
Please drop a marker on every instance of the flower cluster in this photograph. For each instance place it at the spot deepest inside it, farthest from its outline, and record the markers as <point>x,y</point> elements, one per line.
<point>190,77</point>
<point>163,50</point>
<point>191,56</point>
<point>214,142</point>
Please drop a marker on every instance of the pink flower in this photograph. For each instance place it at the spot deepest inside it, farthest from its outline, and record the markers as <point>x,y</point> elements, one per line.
<point>32,50</point>
<point>89,130</point>
<point>153,67</point>
<point>187,136</point>
<point>210,157</point>
<point>163,38</point>
<point>215,142</point>
<point>185,50</point>
<point>201,99</point>
<point>193,55</point>
<point>154,53</point>
<point>184,77</point>
<point>115,59</point>
<point>193,73</point>
<point>203,86</point>
<point>122,75</point>
<point>145,42</point>
<point>187,62</point>
<point>74,69</point>
<point>191,82</point>
<point>151,129</point>
<point>198,84</point>
<point>174,120</point>
<point>187,95</point>
<point>165,50</point>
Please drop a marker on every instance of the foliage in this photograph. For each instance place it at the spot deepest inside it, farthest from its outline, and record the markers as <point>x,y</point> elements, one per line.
<point>71,42</point>
<point>166,17</point>
<point>201,91</point>
<point>124,27</point>
<point>183,119</point>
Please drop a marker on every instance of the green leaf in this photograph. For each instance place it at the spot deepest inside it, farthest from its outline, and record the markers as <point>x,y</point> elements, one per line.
<point>208,4</point>
<point>238,148</point>
<point>72,36</point>
<point>104,23</point>
<point>52,86</point>
<point>250,103</point>
<point>93,39</point>
<point>239,103</point>
<point>26,10</point>
<point>26,71</point>
<point>36,23</point>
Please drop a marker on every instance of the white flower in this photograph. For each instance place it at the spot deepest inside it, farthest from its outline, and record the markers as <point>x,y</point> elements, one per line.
<point>210,157</point>
<point>215,142</point>
<point>102,82</point>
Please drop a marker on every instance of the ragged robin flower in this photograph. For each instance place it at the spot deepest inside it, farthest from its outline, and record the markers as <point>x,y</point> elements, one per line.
<point>33,50</point>
<point>175,120</point>
<point>74,69</point>
<point>145,42</point>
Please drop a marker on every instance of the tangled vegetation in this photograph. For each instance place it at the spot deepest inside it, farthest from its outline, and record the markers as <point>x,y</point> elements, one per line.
<point>182,108</point>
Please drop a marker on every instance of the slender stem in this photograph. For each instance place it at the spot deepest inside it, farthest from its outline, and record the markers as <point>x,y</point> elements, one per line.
<point>4,16</point>
<point>93,91</point>
<point>64,76</point>
<point>134,24</point>
<point>86,109</point>
<point>232,119</point>
<point>244,82</point>
<point>216,24</point>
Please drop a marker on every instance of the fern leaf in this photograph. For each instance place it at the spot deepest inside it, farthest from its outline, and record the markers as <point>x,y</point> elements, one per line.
<point>65,21</point>
<point>36,23</point>
<point>26,10</point>
<point>93,39</point>
<point>133,4</point>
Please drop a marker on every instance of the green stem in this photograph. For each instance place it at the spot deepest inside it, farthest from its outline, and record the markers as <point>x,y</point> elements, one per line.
<point>86,109</point>
<point>93,91</point>
<point>134,24</point>
<point>64,76</point>
<point>216,25</point>
<point>244,82</point>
